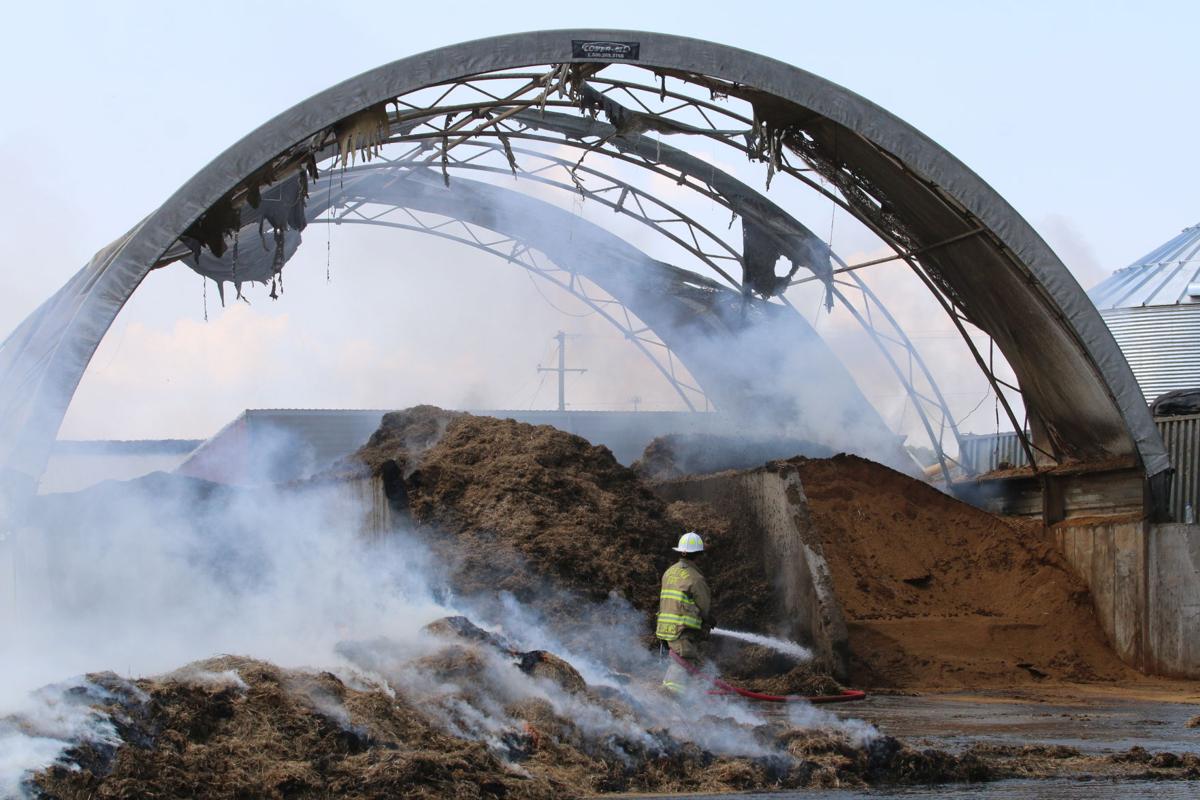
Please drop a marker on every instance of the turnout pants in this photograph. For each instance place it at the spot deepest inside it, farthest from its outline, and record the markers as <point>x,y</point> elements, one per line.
<point>686,647</point>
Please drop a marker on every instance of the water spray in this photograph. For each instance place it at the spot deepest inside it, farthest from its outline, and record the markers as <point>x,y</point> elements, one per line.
<point>790,649</point>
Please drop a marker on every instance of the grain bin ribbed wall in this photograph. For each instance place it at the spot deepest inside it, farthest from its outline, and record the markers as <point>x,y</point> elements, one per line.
<point>1182,438</point>
<point>1152,308</point>
<point>1161,343</point>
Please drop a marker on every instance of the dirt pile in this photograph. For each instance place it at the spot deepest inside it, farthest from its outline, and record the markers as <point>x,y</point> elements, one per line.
<point>939,593</point>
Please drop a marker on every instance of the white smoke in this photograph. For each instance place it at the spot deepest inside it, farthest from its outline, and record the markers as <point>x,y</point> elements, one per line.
<point>809,717</point>
<point>144,577</point>
<point>35,731</point>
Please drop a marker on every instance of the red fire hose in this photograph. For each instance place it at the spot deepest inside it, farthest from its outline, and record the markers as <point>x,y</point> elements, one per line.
<point>726,688</point>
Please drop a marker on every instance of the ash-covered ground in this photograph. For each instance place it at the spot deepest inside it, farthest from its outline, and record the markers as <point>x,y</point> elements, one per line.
<point>495,640</point>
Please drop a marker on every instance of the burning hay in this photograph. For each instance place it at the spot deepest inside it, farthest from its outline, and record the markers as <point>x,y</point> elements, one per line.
<point>280,734</point>
<point>467,720</point>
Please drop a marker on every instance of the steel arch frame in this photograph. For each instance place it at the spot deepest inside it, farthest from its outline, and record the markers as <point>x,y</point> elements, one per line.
<point>903,248</point>
<point>685,310</point>
<point>863,317</point>
<point>504,131</point>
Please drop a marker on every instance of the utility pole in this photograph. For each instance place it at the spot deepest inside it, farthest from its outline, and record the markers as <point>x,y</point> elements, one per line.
<point>561,369</point>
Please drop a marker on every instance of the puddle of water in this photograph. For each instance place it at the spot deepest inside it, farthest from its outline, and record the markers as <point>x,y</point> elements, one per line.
<point>949,723</point>
<point>1056,789</point>
<point>1100,726</point>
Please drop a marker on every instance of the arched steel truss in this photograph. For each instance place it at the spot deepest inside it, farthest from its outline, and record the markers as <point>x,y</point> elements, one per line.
<point>979,259</point>
<point>683,309</point>
<point>868,310</point>
<point>420,125</point>
<point>699,241</point>
<point>907,364</point>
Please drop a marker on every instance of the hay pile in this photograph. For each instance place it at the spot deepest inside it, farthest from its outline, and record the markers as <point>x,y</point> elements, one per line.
<point>512,505</point>
<point>237,727</point>
<point>563,527</point>
<point>517,508</point>
<point>679,454</point>
<point>936,593</point>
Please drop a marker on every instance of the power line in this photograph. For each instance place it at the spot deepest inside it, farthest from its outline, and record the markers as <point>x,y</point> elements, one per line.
<point>537,391</point>
<point>550,303</point>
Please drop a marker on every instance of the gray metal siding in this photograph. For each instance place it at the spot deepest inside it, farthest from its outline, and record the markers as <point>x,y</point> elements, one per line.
<point>987,453</point>
<point>1162,345</point>
<point>1181,435</point>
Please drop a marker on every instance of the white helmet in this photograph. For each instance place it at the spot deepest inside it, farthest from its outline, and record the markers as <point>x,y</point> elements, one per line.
<point>690,542</point>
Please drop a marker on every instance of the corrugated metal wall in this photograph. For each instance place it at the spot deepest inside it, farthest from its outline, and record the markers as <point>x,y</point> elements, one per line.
<point>1181,435</point>
<point>1161,343</point>
<point>987,453</point>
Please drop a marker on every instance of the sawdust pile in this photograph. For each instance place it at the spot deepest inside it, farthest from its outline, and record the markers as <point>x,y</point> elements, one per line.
<point>939,593</point>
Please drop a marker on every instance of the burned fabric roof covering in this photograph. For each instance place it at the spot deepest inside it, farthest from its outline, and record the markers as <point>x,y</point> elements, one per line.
<point>252,243</point>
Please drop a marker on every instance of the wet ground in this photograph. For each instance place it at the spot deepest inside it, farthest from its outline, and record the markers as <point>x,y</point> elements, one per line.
<point>1057,789</point>
<point>1094,725</point>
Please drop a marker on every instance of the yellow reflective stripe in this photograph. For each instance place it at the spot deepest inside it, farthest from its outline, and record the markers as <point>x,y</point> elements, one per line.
<point>691,622</point>
<point>675,594</point>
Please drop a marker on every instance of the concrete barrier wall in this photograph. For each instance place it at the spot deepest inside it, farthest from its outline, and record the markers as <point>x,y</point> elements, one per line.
<point>795,559</point>
<point>1145,585</point>
<point>773,502</point>
<point>1173,630</point>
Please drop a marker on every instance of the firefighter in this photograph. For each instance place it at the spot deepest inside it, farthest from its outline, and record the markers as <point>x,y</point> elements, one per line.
<point>684,611</point>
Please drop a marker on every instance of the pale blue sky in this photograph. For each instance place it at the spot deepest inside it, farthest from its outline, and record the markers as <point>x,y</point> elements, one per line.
<point>1082,115</point>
